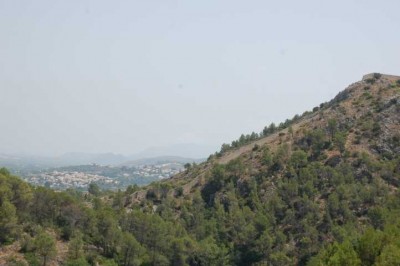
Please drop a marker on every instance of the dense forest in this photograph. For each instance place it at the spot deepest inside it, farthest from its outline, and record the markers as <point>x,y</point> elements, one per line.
<point>321,190</point>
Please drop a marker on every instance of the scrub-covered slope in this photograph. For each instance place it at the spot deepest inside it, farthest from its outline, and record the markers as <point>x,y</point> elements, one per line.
<point>323,177</point>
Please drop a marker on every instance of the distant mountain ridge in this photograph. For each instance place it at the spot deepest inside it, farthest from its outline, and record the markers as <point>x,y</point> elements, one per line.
<point>173,153</point>
<point>161,160</point>
<point>186,150</point>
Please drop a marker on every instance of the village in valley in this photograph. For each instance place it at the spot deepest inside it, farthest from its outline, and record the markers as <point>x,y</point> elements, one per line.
<point>106,177</point>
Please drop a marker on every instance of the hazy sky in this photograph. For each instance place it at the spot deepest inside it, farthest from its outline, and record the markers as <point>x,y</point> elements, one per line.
<point>122,76</point>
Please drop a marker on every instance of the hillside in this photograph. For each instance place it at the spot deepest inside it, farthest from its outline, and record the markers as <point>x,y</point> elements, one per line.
<point>318,189</point>
<point>323,175</point>
<point>355,110</point>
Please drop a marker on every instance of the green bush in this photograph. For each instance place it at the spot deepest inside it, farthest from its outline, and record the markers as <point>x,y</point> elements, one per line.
<point>370,81</point>
<point>32,259</point>
<point>377,75</point>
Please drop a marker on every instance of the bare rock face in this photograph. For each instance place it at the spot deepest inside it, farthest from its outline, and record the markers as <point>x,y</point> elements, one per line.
<point>388,140</point>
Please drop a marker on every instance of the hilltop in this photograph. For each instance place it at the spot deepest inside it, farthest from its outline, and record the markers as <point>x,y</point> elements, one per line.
<point>321,188</point>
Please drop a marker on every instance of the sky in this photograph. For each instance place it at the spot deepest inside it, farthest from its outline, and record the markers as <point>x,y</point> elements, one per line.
<point>124,76</point>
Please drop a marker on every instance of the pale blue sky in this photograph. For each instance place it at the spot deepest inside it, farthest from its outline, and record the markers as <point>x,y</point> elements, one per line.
<point>122,76</point>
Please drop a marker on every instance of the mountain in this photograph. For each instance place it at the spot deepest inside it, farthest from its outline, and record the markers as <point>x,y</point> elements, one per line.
<point>187,150</point>
<point>76,158</point>
<point>321,188</point>
<point>26,163</point>
<point>326,176</point>
<point>366,113</point>
<point>160,160</point>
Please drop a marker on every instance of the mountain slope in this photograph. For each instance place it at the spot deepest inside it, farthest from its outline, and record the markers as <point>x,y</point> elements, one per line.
<point>319,179</point>
<point>343,107</point>
<point>352,108</point>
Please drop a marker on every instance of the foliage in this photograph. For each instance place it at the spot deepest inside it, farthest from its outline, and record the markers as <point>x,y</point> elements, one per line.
<point>94,189</point>
<point>45,247</point>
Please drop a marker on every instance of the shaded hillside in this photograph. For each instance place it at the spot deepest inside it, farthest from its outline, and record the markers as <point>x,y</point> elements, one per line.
<point>318,189</point>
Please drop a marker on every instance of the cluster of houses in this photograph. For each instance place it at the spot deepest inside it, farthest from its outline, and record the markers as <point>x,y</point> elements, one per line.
<point>161,171</point>
<point>63,180</point>
<point>141,175</point>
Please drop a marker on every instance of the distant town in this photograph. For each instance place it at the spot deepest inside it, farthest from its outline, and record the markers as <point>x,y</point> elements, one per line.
<point>106,177</point>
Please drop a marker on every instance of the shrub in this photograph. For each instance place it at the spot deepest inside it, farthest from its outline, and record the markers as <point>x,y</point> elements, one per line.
<point>367,95</point>
<point>377,75</point>
<point>179,191</point>
<point>32,259</point>
<point>341,96</point>
<point>370,81</point>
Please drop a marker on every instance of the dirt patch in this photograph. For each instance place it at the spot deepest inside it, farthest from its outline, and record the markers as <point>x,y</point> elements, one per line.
<point>10,252</point>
